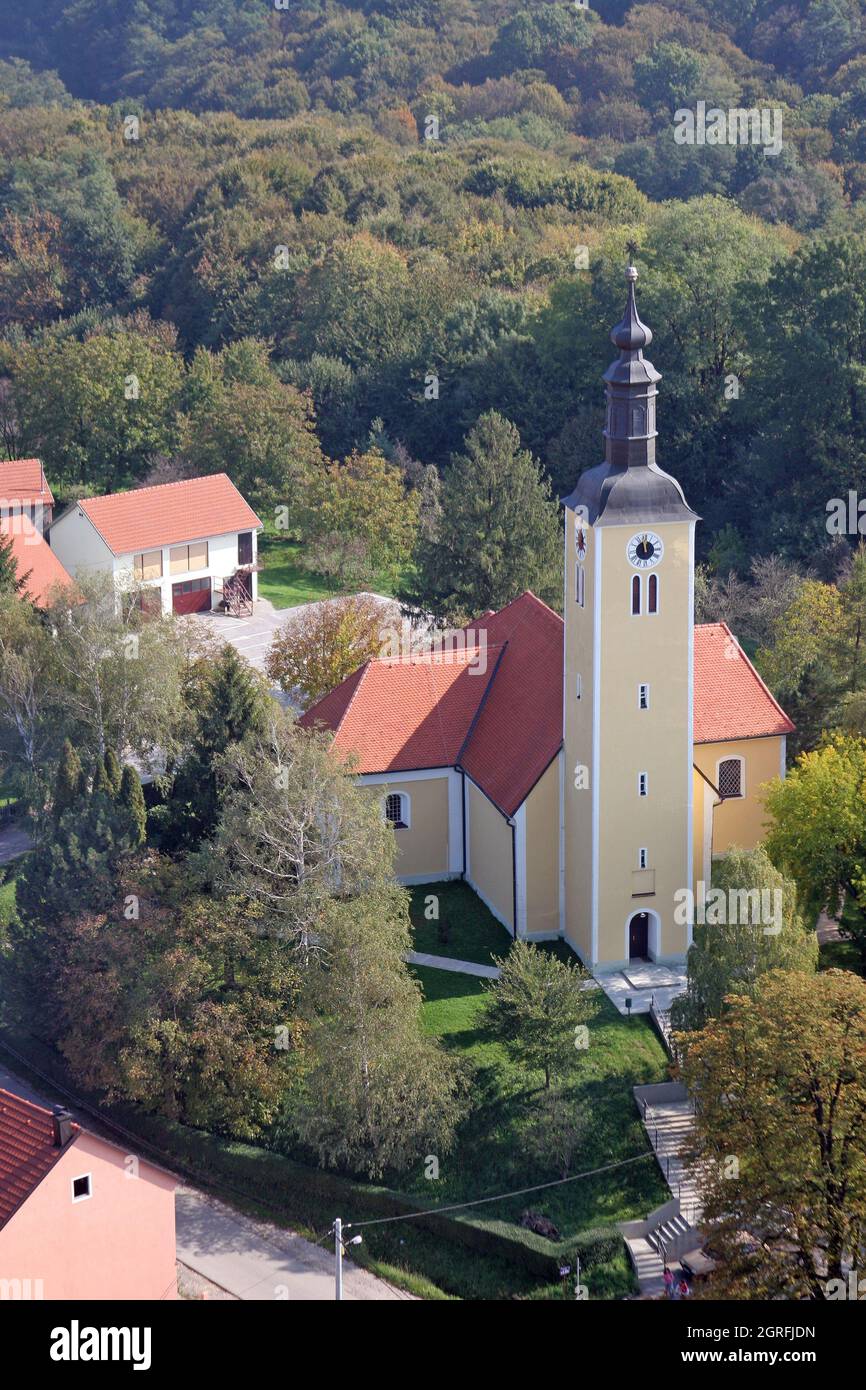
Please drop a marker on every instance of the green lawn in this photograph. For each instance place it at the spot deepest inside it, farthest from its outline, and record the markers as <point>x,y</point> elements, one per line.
<point>466,929</point>
<point>491,1153</point>
<point>7,906</point>
<point>285,582</point>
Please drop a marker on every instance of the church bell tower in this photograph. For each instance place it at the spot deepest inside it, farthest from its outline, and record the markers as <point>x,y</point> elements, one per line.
<point>628,680</point>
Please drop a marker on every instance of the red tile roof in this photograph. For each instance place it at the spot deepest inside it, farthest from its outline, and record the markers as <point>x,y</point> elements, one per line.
<point>519,729</point>
<point>408,714</point>
<point>38,566</point>
<point>731,700</point>
<point>506,727</point>
<point>169,514</point>
<point>22,480</point>
<point>27,1150</point>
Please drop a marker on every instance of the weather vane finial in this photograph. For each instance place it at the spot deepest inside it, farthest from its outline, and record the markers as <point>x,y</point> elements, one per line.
<point>631,248</point>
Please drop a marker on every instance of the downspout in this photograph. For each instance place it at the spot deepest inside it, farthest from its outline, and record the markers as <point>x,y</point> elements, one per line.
<point>513,825</point>
<point>463,816</point>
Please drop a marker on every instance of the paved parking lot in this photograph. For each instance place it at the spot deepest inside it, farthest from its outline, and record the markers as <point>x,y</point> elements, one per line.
<point>252,636</point>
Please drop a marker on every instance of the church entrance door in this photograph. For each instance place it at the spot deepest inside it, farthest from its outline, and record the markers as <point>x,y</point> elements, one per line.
<point>638,936</point>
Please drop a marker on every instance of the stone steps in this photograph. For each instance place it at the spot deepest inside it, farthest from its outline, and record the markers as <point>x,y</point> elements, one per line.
<point>648,1267</point>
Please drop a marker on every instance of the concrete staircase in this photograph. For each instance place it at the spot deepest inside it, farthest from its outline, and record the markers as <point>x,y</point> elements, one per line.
<point>672,1237</point>
<point>672,1229</point>
<point>647,1265</point>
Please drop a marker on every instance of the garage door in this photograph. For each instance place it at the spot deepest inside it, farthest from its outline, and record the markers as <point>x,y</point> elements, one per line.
<point>191,597</point>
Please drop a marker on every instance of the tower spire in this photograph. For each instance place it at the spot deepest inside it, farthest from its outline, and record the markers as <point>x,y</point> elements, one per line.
<point>630,431</point>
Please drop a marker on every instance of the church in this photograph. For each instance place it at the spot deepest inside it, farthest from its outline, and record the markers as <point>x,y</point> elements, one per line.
<point>579,772</point>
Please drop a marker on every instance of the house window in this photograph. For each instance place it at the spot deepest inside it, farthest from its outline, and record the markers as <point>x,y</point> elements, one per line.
<point>245,548</point>
<point>729,776</point>
<point>184,558</point>
<point>191,586</point>
<point>81,1188</point>
<point>641,784</point>
<point>397,810</point>
<point>147,565</point>
<point>579,686</point>
<point>643,697</point>
<point>635,595</point>
<point>653,594</point>
<point>642,859</point>
<point>580,585</point>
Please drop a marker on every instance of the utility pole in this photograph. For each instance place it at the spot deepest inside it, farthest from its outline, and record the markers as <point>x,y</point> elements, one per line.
<point>338,1252</point>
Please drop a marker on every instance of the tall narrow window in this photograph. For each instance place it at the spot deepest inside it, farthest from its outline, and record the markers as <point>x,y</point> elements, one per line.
<point>635,595</point>
<point>580,585</point>
<point>730,775</point>
<point>579,686</point>
<point>641,858</point>
<point>653,594</point>
<point>643,697</point>
<point>641,784</point>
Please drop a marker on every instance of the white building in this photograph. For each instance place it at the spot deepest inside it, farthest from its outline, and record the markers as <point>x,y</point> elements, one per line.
<point>185,541</point>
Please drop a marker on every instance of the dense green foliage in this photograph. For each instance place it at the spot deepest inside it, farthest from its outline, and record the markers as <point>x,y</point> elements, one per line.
<point>336,216</point>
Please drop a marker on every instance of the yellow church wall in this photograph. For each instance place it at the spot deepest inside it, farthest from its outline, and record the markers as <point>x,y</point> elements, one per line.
<point>652,649</point>
<point>490,866</point>
<point>542,854</point>
<point>741,821</point>
<point>422,849</point>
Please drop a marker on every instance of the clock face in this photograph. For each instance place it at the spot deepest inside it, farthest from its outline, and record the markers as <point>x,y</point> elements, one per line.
<point>580,541</point>
<point>645,550</point>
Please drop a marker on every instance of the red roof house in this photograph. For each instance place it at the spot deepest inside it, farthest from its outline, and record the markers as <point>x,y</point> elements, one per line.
<point>80,1218</point>
<point>24,491</point>
<point>193,543</point>
<point>37,564</point>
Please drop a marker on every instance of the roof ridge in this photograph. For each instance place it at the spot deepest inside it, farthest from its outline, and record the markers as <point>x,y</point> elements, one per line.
<point>157,487</point>
<point>360,672</point>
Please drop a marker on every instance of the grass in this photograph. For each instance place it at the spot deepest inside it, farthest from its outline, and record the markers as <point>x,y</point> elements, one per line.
<point>472,932</point>
<point>492,1155</point>
<point>286,582</point>
<point>7,904</point>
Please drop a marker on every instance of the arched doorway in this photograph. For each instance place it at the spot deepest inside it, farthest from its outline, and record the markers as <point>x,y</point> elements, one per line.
<point>638,936</point>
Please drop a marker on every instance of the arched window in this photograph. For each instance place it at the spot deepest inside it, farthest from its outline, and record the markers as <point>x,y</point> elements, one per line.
<point>729,774</point>
<point>397,810</point>
<point>653,594</point>
<point>635,595</point>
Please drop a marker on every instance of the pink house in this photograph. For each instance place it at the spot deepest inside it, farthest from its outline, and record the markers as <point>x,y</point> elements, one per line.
<point>79,1217</point>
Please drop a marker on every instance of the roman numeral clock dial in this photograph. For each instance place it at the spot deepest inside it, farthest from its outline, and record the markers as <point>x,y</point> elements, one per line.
<point>645,550</point>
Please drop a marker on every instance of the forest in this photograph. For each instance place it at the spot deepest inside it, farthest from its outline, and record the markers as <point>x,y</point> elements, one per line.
<point>290,221</point>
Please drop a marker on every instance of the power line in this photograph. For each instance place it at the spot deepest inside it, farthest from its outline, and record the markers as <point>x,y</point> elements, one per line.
<point>500,1196</point>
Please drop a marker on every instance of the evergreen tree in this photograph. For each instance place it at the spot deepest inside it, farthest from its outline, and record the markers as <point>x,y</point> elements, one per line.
<point>102,781</point>
<point>131,799</point>
<point>228,705</point>
<point>11,582</point>
<point>67,786</point>
<point>498,533</point>
<point>112,770</point>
